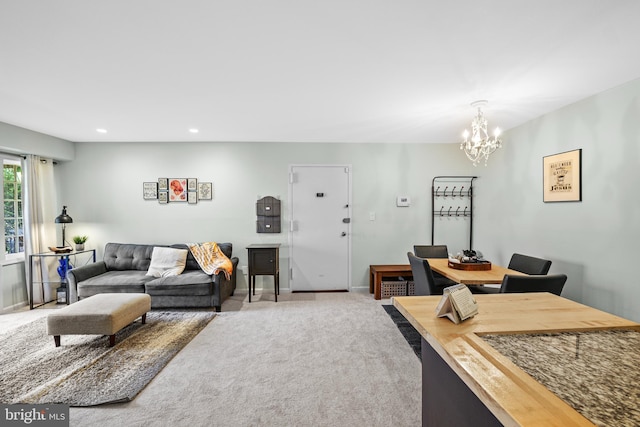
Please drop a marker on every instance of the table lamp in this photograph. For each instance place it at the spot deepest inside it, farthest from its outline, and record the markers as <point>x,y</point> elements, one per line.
<point>63,219</point>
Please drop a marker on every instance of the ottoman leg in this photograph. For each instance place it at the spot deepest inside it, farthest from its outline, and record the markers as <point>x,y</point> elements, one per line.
<point>144,318</point>
<point>56,339</point>
<point>112,340</point>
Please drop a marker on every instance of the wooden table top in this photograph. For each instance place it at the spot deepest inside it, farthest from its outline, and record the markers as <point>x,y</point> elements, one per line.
<point>511,395</point>
<point>382,268</point>
<point>495,275</point>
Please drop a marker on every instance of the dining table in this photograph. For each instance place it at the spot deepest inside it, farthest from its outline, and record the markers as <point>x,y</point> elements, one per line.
<point>471,277</point>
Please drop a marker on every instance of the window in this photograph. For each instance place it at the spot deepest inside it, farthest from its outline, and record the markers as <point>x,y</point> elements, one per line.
<point>13,220</point>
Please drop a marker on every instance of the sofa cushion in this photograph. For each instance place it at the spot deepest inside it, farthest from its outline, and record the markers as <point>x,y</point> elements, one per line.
<point>114,281</point>
<point>123,256</point>
<point>166,262</point>
<point>187,283</point>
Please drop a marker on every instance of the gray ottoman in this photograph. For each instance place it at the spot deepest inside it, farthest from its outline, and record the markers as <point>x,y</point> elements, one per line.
<point>102,314</point>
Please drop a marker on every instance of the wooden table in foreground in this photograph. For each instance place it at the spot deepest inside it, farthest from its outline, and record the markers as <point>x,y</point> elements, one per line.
<point>377,272</point>
<point>493,276</point>
<point>468,382</point>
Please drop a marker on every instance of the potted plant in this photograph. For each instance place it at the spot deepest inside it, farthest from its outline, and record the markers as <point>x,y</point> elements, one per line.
<point>79,241</point>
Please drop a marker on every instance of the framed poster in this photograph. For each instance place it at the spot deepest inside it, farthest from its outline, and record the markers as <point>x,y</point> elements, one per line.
<point>149,190</point>
<point>205,190</point>
<point>177,189</point>
<point>562,177</point>
<point>163,197</point>
<point>192,197</point>
<point>192,184</point>
<point>163,184</point>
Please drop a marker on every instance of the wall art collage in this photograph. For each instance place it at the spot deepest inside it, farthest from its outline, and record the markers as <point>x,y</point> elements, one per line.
<point>172,190</point>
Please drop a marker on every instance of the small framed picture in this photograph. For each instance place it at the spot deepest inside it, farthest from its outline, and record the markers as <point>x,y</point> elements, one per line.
<point>192,184</point>
<point>163,184</point>
<point>163,197</point>
<point>149,190</point>
<point>205,190</point>
<point>562,177</point>
<point>192,197</point>
<point>177,189</point>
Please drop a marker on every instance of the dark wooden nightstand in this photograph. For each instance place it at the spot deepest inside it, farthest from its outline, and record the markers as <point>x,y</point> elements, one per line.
<point>264,260</point>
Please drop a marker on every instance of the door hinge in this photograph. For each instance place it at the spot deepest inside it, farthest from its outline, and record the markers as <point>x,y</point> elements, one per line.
<point>346,170</point>
<point>292,178</point>
<point>291,273</point>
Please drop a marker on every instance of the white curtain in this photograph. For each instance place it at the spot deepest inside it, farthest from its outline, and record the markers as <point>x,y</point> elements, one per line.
<point>39,227</point>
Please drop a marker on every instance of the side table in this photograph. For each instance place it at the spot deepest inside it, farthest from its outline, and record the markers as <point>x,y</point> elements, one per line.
<point>264,260</point>
<point>42,256</point>
<point>377,272</point>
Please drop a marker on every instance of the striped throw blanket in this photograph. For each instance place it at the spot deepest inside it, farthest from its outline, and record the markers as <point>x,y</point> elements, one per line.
<point>211,259</point>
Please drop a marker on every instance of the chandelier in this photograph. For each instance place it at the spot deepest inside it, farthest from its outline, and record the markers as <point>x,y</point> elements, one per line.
<point>478,145</point>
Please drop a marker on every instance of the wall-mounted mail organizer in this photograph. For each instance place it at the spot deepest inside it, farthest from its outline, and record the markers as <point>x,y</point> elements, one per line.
<point>268,212</point>
<point>452,196</point>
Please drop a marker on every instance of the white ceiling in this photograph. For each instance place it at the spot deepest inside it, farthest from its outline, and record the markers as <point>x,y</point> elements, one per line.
<point>304,70</point>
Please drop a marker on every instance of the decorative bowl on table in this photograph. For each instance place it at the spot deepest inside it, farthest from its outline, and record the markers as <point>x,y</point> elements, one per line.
<point>60,249</point>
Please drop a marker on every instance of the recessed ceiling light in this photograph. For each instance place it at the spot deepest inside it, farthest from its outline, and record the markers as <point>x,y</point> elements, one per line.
<point>194,130</point>
<point>100,130</point>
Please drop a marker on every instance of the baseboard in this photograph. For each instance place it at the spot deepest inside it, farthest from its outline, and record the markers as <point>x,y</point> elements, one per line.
<point>14,307</point>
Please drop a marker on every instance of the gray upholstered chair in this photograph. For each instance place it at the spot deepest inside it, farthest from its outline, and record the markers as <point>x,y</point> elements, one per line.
<point>423,279</point>
<point>549,283</point>
<point>434,251</point>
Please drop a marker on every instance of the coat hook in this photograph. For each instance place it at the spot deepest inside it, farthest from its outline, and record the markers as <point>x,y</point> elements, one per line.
<point>442,207</point>
<point>437,189</point>
<point>461,190</point>
<point>444,193</point>
<point>449,211</point>
<point>457,214</point>
<point>453,194</point>
<point>465,211</point>
<point>469,192</point>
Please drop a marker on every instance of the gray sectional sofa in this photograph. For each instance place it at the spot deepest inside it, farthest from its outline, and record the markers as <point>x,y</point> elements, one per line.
<point>124,269</point>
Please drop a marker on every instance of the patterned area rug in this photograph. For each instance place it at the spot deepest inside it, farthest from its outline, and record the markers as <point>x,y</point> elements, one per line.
<point>85,371</point>
<point>408,331</point>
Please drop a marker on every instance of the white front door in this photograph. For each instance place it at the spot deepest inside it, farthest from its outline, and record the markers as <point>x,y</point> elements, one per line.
<point>320,227</point>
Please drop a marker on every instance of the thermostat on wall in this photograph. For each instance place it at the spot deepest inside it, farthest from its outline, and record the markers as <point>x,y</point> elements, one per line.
<point>403,201</point>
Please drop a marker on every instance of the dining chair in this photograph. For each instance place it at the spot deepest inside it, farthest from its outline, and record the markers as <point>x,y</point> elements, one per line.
<point>548,283</point>
<point>434,251</point>
<point>431,251</point>
<point>423,279</point>
<point>522,263</point>
<point>528,264</point>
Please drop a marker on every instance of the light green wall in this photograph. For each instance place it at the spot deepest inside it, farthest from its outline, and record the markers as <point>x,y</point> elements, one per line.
<point>103,189</point>
<point>595,242</point>
<point>14,291</point>
<point>18,140</point>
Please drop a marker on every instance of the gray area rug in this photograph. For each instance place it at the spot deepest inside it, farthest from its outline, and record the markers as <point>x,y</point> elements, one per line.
<point>85,371</point>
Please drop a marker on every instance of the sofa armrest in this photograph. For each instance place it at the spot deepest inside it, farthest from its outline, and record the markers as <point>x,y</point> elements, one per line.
<point>77,275</point>
<point>223,288</point>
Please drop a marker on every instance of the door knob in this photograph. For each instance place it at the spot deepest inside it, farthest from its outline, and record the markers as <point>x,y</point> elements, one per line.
<point>343,234</point>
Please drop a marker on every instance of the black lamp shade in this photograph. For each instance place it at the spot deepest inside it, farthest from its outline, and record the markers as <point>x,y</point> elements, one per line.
<point>63,218</point>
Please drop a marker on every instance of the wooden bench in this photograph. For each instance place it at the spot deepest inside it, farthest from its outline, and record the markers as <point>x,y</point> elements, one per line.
<point>101,314</point>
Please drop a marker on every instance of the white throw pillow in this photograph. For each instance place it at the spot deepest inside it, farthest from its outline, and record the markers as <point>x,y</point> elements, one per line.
<point>167,262</point>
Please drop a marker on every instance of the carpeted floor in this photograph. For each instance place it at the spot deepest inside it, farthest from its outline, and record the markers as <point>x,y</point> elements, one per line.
<point>408,331</point>
<point>328,359</point>
<point>85,371</point>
